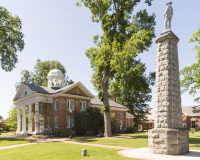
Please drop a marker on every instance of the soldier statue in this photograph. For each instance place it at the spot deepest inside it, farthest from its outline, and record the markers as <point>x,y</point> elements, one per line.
<point>168,15</point>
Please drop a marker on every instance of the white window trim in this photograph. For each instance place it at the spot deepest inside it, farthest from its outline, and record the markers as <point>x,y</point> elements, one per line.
<point>81,107</point>
<point>56,122</point>
<point>70,122</point>
<point>55,105</point>
<point>69,104</point>
<point>121,124</point>
<point>129,122</point>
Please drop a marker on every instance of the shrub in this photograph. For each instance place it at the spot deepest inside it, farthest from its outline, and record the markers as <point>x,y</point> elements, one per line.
<point>65,132</point>
<point>131,130</point>
<point>192,130</point>
<point>89,121</point>
<point>40,136</point>
<point>4,132</point>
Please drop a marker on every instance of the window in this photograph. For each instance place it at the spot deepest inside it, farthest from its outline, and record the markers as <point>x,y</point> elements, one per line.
<point>193,124</point>
<point>145,125</point>
<point>56,122</point>
<point>70,105</point>
<point>82,106</point>
<point>56,105</point>
<point>70,123</point>
<point>128,122</point>
<point>151,125</point>
<point>120,115</point>
<point>183,125</point>
<point>121,125</point>
<point>25,93</point>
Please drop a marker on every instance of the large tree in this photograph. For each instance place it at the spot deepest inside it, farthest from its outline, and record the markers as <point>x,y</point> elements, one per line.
<point>11,39</point>
<point>1,117</point>
<point>191,74</point>
<point>134,90</point>
<point>122,40</point>
<point>40,72</point>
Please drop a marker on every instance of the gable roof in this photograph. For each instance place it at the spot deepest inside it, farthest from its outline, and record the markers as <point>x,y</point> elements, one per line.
<point>191,110</point>
<point>128,115</point>
<point>97,102</point>
<point>47,90</point>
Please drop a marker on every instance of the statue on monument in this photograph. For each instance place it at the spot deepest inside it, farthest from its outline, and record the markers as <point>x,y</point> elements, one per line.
<point>168,15</point>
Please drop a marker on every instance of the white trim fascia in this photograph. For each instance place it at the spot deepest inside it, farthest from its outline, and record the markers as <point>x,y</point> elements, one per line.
<point>20,89</point>
<point>70,95</point>
<point>184,113</point>
<point>111,108</point>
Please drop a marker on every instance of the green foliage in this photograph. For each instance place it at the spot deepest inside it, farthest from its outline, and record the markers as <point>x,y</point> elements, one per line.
<point>88,121</point>
<point>131,130</point>
<point>191,74</point>
<point>133,90</point>
<point>12,118</point>
<point>1,117</point>
<point>104,108</point>
<point>40,136</point>
<point>4,131</point>
<point>65,132</point>
<point>192,130</point>
<point>124,37</point>
<point>113,121</point>
<point>11,39</point>
<point>39,75</point>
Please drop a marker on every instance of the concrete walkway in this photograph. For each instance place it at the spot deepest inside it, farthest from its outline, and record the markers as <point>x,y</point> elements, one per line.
<point>143,153</point>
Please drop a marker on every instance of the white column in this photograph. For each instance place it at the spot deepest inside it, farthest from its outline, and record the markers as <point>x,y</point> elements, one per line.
<point>36,117</point>
<point>24,120</point>
<point>30,118</point>
<point>18,120</point>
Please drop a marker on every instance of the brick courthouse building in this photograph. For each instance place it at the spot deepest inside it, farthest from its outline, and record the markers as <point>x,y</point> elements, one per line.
<point>56,102</point>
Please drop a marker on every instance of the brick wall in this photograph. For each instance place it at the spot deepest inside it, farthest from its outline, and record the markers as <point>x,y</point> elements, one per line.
<point>188,123</point>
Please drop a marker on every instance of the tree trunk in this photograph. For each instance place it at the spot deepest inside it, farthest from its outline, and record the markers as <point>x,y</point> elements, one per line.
<point>107,120</point>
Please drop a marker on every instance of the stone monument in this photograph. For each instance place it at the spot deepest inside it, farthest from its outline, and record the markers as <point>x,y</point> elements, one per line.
<point>168,136</point>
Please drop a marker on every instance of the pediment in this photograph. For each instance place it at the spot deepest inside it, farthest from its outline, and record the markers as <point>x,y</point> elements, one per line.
<point>22,92</point>
<point>78,89</point>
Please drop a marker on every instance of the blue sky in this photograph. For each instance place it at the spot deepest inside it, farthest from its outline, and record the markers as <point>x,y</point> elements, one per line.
<point>60,30</point>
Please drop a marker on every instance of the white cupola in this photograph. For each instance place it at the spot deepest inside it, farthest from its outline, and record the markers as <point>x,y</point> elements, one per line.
<point>55,78</point>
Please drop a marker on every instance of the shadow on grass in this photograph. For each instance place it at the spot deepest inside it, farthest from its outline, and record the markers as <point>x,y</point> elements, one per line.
<point>139,136</point>
<point>84,140</point>
<point>195,142</point>
<point>16,140</point>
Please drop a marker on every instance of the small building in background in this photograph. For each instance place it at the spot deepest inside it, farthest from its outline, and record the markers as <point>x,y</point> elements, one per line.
<point>191,117</point>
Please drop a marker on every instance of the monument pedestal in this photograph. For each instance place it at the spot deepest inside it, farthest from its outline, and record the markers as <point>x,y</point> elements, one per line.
<point>168,141</point>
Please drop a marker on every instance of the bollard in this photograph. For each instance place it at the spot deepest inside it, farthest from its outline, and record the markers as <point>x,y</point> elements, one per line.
<point>84,152</point>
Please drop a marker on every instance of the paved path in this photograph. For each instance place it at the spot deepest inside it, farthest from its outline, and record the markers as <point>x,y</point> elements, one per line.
<point>100,145</point>
<point>142,153</point>
<point>40,140</point>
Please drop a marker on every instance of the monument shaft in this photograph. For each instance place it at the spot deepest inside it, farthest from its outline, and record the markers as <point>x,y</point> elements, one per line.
<point>168,100</point>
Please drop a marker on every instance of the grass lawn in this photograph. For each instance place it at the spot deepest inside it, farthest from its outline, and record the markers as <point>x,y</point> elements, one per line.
<point>140,140</point>
<point>59,150</point>
<point>13,141</point>
<point>8,134</point>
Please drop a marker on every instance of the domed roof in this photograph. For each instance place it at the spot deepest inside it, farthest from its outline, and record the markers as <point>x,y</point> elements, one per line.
<point>55,73</point>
